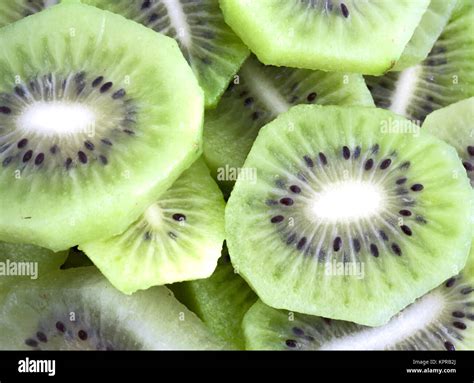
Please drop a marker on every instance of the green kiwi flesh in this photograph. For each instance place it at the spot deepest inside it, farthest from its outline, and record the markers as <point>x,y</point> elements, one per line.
<point>365,37</point>
<point>354,213</point>
<point>78,309</point>
<point>443,319</point>
<point>426,33</point>
<point>14,10</point>
<point>443,78</point>
<point>179,237</point>
<point>221,301</point>
<point>455,125</point>
<point>211,48</point>
<point>256,96</point>
<point>22,261</point>
<point>90,121</point>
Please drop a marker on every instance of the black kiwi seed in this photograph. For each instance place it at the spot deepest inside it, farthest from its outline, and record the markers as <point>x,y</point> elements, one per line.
<point>383,235</point>
<point>356,245</point>
<point>291,239</point>
<point>89,145</point>
<point>401,181</point>
<point>458,314</point>
<point>405,165</point>
<point>286,201</point>
<point>396,249</point>
<point>467,290</point>
<point>297,331</point>
<point>28,156</point>
<point>97,81</point>
<point>357,152</point>
<point>106,141</point>
<point>39,159</point>
<point>179,217</point>
<point>468,166</point>
<point>344,10</point>
<point>146,4</point>
<point>346,153</point>
<point>291,343</point>
<point>41,337</point>
<point>53,149</point>
<point>82,157</point>
<point>301,243</point>
<point>129,132</point>
<point>309,161</point>
<point>255,116</point>
<point>417,187</point>
<point>68,163</point>
<point>153,17</point>
<point>7,161</point>
<point>449,346</point>
<point>82,335</point>
<point>470,150</point>
<point>405,213</point>
<point>22,143</point>
<point>374,250</point>
<point>147,236</point>
<point>20,91</point>
<point>5,110</point>
<point>60,326</point>
<point>459,325</point>
<point>312,96</point>
<point>337,243</point>
<point>450,282</point>
<point>385,164</point>
<point>119,94</point>
<point>172,235</point>
<point>406,230</point>
<point>277,219</point>
<point>369,164</point>
<point>104,88</point>
<point>31,342</point>
<point>103,159</point>
<point>248,101</point>
<point>323,158</point>
<point>295,189</point>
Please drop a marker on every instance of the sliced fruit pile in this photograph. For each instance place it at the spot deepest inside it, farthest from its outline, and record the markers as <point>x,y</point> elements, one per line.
<point>332,149</point>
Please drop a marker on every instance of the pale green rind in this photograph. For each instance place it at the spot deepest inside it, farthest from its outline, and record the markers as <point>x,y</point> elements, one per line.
<point>131,262</point>
<point>426,33</point>
<point>294,36</point>
<point>148,320</point>
<point>281,277</point>
<point>168,141</point>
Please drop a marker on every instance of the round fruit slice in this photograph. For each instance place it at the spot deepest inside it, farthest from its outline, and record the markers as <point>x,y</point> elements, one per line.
<point>444,77</point>
<point>443,319</point>
<point>96,120</point>
<point>221,301</point>
<point>455,125</point>
<point>77,309</point>
<point>211,48</point>
<point>21,261</point>
<point>349,36</point>
<point>426,33</point>
<point>260,93</point>
<point>13,10</point>
<point>178,238</point>
<point>353,214</point>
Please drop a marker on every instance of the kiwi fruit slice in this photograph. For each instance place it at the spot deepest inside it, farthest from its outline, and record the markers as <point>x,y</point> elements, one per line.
<point>256,96</point>
<point>211,48</point>
<point>78,309</point>
<point>455,125</point>
<point>443,319</point>
<point>13,10</point>
<point>221,301</point>
<point>331,35</point>
<point>23,261</point>
<point>91,121</point>
<point>348,218</point>
<point>443,78</point>
<point>426,33</point>
<point>179,237</point>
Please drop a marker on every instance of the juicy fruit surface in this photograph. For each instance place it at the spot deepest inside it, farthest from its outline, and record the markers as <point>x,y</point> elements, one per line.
<point>443,319</point>
<point>77,309</point>
<point>444,77</point>
<point>89,124</point>
<point>261,94</point>
<point>296,28</point>
<point>221,301</point>
<point>455,125</point>
<point>178,238</point>
<point>14,10</point>
<point>426,33</point>
<point>340,188</point>
<point>211,48</point>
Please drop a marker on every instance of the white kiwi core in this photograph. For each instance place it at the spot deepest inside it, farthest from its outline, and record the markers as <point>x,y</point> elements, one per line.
<point>57,118</point>
<point>347,201</point>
